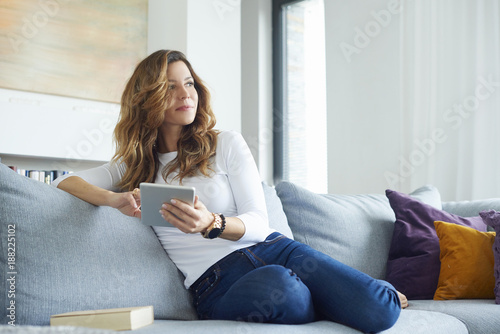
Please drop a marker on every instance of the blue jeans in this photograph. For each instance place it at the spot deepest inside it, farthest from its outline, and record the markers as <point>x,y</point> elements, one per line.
<point>284,281</point>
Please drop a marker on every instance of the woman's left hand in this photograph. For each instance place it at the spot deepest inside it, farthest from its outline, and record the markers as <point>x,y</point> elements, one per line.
<point>186,218</point>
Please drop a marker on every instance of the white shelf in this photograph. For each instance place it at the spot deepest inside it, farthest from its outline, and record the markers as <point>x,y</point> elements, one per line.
<point>44,126</point>
<point>48,132</point>
<point>41,163</point>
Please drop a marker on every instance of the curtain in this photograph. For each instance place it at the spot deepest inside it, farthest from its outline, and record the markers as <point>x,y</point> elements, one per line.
<point>450,97</point>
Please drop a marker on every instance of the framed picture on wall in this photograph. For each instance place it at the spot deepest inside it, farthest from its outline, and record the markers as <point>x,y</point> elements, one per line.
<point>79,48</point>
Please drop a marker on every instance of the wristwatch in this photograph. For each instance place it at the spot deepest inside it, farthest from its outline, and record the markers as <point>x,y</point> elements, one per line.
<point>217,227</point>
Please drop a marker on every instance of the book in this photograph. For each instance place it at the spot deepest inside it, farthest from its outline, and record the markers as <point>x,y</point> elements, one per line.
<point>34,174</point>
<point>118,319</point>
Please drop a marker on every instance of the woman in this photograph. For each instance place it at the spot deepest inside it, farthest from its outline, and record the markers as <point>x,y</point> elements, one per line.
<point>238,268</point>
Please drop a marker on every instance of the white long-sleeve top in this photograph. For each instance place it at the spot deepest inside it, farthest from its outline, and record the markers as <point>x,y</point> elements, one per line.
<point>234,190</point>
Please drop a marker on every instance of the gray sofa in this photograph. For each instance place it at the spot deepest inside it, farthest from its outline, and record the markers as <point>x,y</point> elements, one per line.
<point>70,255</point>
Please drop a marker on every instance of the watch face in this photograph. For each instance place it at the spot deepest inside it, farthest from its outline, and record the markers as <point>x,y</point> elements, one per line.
<point>214,233</point>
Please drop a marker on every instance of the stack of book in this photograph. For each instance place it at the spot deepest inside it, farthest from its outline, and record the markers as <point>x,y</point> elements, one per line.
<point>46,176</point>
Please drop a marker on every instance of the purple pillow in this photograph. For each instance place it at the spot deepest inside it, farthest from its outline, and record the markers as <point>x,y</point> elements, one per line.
<point>413,265</point>
<point>492,218</point>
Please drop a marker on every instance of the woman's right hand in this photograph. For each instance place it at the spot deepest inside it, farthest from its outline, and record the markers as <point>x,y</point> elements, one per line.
<point>129,203</point>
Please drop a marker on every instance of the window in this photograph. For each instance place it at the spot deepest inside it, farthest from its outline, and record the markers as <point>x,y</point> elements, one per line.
<point>299,89</point>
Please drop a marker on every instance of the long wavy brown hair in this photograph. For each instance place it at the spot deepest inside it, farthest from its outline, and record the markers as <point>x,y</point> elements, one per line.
<point>143,104</point>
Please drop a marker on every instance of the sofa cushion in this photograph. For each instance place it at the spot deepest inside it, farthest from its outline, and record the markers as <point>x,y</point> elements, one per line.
<point>492,218</point>
<point>413,265</point>
<point>354,229</point>
<point>429,195</point>
<point>466,263</point>
<point>413,321</point>
<point>481,316</point>
<point>408,322</point>
<point>71,255</point>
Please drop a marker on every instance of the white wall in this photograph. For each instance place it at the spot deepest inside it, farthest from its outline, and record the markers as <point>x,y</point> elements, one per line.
<point>208,32</point>
<point>167,25</point>
<point>214,35</point>
<point>362,94</point>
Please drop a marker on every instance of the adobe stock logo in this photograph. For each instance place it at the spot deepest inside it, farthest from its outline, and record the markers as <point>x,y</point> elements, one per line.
<point>225,6</point>
<point>92,138</point>
<point>363,37</point>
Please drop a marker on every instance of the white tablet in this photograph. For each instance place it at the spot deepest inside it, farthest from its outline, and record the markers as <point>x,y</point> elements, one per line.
<point>153,195</point>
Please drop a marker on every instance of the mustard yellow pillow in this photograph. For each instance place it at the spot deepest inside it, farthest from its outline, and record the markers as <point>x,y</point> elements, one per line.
<point>466,263</point>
